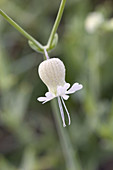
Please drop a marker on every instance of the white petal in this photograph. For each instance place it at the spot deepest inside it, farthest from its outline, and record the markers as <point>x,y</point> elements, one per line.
<point>61,90</point>
<point>65,97</point>
<point>49,96</point>
<point>48,99</point>
<point>74,88</point>
<point>41,99</point>
<point>66,86</point>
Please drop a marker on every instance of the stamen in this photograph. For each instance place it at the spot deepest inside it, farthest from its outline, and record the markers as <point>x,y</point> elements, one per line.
<point>66,110</point>
<point>61,111</point>
<point>46,54</point>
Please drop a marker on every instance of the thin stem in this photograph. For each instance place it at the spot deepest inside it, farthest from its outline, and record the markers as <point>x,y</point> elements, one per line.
<point>56,24</point>
<point>70,154</point>
<point>21,30</point>
<point>46,54</point>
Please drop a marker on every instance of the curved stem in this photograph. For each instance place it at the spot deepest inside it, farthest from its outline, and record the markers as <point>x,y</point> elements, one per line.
<point>56,24</point>
<point>61,111</point>
<point>69,152</point>
<point>21,30</point>
<point>66,111</point>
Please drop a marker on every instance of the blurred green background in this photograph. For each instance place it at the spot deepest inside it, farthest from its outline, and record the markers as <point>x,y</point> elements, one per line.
<point>28,136</point>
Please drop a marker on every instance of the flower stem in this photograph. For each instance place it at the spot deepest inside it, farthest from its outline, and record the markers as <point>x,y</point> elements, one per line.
<point>21,30</point>
<point>56,24</point>
<point>46,54</point>
<point>70,156</point>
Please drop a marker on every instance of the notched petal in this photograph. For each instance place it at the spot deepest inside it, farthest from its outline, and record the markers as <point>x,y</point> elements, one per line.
<point>66,86</point>
<point>49,96</point>
<point>74,88</point>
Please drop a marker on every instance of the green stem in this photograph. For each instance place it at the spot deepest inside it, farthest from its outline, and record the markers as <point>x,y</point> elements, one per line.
<point>70,154</point>
<point>15,25</point>
<point>56,24</point>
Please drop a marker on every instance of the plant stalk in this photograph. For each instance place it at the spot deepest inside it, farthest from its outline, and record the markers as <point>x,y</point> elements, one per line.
<point>56,24</point>
<point>21,30</point>
<point>70,155</point>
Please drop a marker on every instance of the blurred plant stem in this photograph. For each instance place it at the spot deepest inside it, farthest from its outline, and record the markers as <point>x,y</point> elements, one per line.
<point>70,154</point>
<point>57,22</point>
<point>21,30</point>
<point>94,66</point>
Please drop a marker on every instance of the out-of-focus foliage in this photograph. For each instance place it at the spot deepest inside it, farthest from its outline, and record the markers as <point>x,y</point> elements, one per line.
<point>28,137</point>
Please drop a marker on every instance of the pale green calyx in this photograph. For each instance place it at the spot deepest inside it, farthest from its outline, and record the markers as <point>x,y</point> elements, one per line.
<point>52,73</point>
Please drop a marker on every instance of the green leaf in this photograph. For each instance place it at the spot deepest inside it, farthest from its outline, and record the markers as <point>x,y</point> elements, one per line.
<point>34,47</point>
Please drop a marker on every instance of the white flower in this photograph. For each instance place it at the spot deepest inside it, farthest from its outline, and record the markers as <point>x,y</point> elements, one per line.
<point>52,73</point>
<point>93,21</point>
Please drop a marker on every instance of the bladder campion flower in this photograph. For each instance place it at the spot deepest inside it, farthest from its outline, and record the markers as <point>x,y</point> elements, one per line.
<point>52,73</point>
<point>93,21</point>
